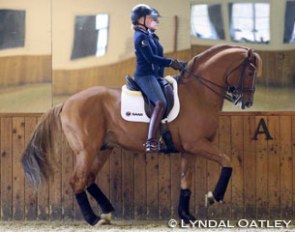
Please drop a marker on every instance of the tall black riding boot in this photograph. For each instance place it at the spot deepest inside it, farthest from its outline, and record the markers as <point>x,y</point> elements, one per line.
<point>183,207</point>
<point>157,115</point>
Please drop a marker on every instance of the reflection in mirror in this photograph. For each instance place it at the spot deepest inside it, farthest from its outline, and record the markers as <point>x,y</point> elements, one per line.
<point>206,21</point>
<point>25,56</point>
<point>249,22</point>
<point>289,35</point>
<point>87,54</point>
<point>91,35</point>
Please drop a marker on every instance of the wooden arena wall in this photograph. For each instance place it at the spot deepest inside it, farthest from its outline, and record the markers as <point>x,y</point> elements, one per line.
<point>18,70</point>
<point>147,186</point>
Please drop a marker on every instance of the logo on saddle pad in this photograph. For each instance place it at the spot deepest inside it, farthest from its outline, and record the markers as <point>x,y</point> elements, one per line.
<point>133,105</point>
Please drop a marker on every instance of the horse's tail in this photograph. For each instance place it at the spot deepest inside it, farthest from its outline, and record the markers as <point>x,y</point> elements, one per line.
<point>37,155</point>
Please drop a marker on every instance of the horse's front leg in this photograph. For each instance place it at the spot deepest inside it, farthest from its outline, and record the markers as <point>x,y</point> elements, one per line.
<point>187,167</point>
<point>210,151</point>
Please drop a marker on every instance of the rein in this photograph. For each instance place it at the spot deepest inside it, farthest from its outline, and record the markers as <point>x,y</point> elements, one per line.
<point>239,90</point>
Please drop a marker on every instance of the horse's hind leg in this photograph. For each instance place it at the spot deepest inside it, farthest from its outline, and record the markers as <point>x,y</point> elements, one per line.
<point>94,190</point>
<point>187,166</point>
<point>84,160</point>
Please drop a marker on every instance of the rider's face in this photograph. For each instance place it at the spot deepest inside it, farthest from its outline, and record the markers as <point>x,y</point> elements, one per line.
<point>151,23</point>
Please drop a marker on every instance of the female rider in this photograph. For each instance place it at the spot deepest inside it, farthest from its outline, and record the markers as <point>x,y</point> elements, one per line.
<point>150,64</point>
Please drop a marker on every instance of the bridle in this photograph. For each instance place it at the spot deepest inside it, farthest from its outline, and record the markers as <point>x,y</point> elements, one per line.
<point>233,93</point>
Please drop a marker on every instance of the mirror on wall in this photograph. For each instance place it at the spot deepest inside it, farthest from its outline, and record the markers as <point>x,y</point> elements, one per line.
<point>12,29</point>
<point>48,53</point>
<point>206,21</point>
<point>94,43</point>
<point>248,24</point>
<point>91,36</point>
<point>25,56</point>
<point>289,29</point>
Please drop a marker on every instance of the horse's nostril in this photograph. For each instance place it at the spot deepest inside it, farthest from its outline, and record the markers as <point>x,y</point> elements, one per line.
<point>248,104</point>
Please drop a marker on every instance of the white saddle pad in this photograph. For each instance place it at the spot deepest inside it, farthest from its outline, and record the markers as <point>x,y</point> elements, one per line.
<point>132,105</point>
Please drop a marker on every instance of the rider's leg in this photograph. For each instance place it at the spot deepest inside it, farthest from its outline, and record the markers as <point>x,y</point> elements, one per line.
<point>152,142</point>
<point>152,89</point>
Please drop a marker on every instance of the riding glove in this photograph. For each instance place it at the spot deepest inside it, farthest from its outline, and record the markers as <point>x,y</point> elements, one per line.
<point>177,65</point>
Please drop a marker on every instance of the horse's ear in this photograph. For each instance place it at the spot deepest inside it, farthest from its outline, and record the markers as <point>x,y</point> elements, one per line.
<point>258,63</point>
<point>256,59</point>
<point>250,53</point>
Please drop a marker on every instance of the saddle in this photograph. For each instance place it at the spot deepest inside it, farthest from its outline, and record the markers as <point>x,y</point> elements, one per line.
<point>136,107</point>
<point>167,89</point>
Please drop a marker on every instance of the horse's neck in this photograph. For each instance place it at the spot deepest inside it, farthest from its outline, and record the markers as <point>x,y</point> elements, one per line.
<point>215,94</point>
<point>212,67</point>
<point>200,88</point>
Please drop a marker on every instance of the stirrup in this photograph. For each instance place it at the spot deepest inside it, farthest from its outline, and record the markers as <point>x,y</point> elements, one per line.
<point>151,145</point>
<point>210,199</point>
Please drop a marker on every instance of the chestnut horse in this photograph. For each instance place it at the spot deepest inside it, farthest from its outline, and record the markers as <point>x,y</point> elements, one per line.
<point>92,125</point>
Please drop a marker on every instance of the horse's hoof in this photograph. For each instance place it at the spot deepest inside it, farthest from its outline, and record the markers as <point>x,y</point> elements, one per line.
<point>209,199</point>
<point>107,217</point>
<point>188,219</point>
<point>101,222</point>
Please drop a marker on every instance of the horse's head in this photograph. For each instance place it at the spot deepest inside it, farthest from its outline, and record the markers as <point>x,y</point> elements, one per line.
<point>241,80</point>
<point>237,68</point>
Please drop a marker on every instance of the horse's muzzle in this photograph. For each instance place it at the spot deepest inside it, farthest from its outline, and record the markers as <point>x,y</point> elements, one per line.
<point>246,104</point>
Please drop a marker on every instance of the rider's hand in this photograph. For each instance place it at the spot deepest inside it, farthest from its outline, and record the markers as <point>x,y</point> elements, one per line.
<point>183,63</point>
<point>177,65</point>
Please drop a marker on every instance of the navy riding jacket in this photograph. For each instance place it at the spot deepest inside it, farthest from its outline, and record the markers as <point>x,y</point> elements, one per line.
<point>149,54</point>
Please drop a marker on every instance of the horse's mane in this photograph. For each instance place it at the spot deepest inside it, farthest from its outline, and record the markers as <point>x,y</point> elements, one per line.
<point>214,50</point>
<point>203,56</point>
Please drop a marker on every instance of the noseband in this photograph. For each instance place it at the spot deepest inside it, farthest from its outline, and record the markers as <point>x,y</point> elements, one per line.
<point>234,93</point>
<point>238,90</point>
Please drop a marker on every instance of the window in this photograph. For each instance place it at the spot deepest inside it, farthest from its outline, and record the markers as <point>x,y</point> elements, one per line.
<point>206,21</point>
<point>12,28</point>
<point>102,28</point>
<point>91,36</point>
<point>249,22</point>
<point>289,33</point>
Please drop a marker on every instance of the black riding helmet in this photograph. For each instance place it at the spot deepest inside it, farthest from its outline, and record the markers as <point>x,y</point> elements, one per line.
<point>155,14</point>
<point>143,10</point>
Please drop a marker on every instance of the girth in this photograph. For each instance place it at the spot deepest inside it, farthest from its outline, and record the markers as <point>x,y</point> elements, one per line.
<point>167,89</point>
